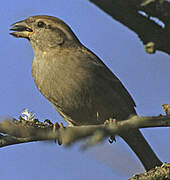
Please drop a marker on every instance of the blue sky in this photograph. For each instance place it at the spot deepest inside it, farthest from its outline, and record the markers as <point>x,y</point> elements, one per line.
<point>145,76</point>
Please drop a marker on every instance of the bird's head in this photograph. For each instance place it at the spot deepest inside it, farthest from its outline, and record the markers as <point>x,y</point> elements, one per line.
<point>44,31</point>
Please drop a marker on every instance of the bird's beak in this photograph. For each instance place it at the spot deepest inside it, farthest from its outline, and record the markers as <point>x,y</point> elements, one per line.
<point>21,30</point>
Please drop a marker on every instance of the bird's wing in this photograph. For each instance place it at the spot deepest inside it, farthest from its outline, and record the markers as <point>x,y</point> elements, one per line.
<point>104,73</point>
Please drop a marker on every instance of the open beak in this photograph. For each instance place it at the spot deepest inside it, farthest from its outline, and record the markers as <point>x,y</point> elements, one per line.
<point>21,29</point>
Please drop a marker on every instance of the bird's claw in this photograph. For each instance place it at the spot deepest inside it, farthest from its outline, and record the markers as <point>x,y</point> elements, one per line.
<point>112,139</point>
<point>56,126</point>
<point>107,122</point>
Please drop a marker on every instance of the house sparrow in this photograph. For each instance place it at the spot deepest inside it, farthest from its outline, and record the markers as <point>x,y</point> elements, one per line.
<point>79,85</point>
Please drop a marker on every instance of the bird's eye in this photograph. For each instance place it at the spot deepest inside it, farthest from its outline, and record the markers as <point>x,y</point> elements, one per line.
<point>41,24</point>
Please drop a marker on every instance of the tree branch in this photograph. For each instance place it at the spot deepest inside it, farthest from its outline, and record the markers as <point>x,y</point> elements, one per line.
<point>29,130</point>
<point>162,172</point>
<point>21,131</point>
<point>152,34</point>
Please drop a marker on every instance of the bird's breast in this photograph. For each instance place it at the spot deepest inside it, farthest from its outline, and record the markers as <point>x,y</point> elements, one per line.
<point>61,79</point>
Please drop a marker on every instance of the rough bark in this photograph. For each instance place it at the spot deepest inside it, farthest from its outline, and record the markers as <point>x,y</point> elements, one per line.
<point>137,16</point>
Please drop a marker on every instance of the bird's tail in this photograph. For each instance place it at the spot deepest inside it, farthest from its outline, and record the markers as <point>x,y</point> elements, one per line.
<point>142,149</point>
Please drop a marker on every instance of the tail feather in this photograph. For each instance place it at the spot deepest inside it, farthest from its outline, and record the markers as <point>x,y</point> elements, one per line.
<point>142,149</point>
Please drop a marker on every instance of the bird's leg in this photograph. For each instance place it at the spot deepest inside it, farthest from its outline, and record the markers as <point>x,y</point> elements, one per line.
<point>56,126</point>
<point>107,122</point>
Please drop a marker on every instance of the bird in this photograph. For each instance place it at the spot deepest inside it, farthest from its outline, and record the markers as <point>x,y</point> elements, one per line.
<point>77,83</point>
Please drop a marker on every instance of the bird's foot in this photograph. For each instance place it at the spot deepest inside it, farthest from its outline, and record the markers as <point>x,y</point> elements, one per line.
<point>107,122</point>
<point>56,126</point>
<point>112,139</point>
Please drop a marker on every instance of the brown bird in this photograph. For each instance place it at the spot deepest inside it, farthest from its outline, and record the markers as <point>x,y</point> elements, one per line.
<point>79,85</point>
